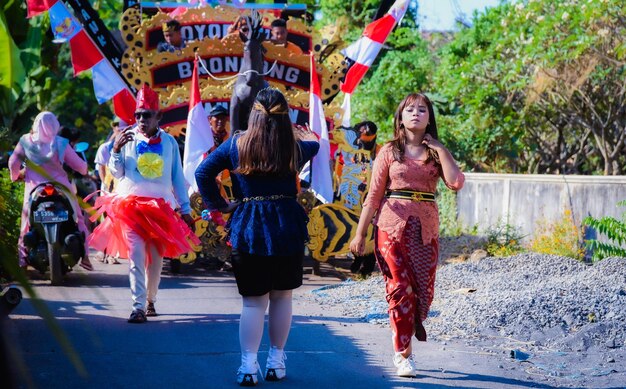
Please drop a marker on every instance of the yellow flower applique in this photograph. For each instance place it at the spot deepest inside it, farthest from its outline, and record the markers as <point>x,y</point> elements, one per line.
<point>150,165</point>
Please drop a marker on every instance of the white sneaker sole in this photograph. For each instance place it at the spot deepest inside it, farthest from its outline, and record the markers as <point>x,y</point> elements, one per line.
<point>406,374</point>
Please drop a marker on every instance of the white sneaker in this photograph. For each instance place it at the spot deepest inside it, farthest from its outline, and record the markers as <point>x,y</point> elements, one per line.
<point>405,366</point>
<point>247,373</point>
<point>275,369</point>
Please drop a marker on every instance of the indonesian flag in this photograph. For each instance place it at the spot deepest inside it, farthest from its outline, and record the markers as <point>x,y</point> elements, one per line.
<point>199,137</point>
<point>321,179</point>
<point>365,50</point>
<point>84,52</point>
<point>35,7</point>
<point>106,82</point>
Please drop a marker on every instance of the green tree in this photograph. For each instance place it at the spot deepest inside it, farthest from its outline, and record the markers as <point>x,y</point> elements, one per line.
<point>49,84</point>
<point>357,13</point>
<point>540,86</point>
<point>401,70</point>
<point>404,65</point>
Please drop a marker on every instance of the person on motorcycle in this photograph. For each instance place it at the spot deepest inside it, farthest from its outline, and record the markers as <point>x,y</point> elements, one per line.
<point>44,148</point>
<point>141,223</point>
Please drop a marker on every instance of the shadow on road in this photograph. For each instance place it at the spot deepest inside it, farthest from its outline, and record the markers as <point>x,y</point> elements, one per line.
<point>194,341</point>
<point>175,350</point>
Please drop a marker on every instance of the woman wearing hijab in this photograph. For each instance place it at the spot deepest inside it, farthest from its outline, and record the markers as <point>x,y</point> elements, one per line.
<point>43,147</point>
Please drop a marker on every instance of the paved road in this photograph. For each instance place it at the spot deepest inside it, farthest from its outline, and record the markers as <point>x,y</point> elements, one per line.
<point>193,343</point>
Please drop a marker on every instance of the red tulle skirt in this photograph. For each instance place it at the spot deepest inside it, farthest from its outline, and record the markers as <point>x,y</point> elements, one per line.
<point>152,219</point>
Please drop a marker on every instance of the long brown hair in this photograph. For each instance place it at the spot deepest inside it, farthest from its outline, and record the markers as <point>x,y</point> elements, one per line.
<point>398,142</point>
<point>268,147</point>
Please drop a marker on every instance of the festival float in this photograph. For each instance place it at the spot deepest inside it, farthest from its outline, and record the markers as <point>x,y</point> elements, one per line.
<point>121,66</point>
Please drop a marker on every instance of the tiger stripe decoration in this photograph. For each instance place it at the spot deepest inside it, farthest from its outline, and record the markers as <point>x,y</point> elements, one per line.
<point>331,228</point>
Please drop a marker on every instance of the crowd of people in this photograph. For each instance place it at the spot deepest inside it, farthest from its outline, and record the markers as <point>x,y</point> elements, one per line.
<point>145,214</point>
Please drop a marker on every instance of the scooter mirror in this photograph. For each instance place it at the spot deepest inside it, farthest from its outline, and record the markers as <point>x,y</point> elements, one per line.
<point>81,147</point>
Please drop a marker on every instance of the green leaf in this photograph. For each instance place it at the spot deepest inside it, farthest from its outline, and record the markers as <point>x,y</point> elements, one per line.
<point>11,68</point>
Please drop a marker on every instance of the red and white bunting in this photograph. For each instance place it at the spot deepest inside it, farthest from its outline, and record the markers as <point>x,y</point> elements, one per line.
<point>106,81</point>
<point>85,54</point>
<point>36,7</point>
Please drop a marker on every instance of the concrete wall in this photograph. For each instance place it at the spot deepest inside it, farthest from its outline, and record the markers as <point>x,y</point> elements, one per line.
<point>524,199</point>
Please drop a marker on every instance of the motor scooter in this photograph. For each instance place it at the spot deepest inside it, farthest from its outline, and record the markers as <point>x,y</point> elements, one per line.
<point>54,241</point>
<point>10,297</point>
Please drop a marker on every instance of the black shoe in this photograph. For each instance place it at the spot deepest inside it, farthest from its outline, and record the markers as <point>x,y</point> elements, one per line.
<point>137,316</point>
<point>248,380</point>
<point>174,265</point>
<point>227,267</point>
<point>150,311</point>
<point>369,263</point>
<point>356,264</point>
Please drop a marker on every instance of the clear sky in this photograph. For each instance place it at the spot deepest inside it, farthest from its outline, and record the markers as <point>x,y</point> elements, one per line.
<point>439,15</point>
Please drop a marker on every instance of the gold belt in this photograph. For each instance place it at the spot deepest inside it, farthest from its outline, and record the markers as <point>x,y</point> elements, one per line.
<point>262,198</point>
<point>410,195</point>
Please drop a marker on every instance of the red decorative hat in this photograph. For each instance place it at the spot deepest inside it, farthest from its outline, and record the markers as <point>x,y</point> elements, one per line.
<point>147,99</point>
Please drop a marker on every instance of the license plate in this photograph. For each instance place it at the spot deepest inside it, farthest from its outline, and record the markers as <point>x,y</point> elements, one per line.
<point>50,216</point>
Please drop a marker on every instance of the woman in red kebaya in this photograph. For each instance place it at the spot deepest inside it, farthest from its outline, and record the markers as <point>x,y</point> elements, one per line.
<point>402,190</point>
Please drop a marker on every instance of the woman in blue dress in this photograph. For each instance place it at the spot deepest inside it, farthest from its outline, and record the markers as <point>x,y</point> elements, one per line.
<point>268,226</point>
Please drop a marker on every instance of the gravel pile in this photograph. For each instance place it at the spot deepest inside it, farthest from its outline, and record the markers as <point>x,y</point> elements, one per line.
<point>550,301</point>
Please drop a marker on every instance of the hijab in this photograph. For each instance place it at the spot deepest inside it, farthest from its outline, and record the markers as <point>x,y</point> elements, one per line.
<point>42,136</point>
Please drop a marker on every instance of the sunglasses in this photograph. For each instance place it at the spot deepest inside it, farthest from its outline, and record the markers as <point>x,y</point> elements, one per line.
<point>145,114</point>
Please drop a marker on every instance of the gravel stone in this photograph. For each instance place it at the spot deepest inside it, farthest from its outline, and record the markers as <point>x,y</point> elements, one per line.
<point>545,300</point>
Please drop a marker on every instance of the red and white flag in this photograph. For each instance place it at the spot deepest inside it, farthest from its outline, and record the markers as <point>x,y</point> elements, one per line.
<point>84,52</point>
<point>321,179</point>
<point>36,7</point>
<point>199,137</point>
<point>365,50</point>
<point>106,81</point>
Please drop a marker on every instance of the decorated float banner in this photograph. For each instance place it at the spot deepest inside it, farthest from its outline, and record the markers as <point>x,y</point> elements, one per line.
<point>170,73</point>
<point>178,72</point>
<point>212,27</point>
<point>216,29</point>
